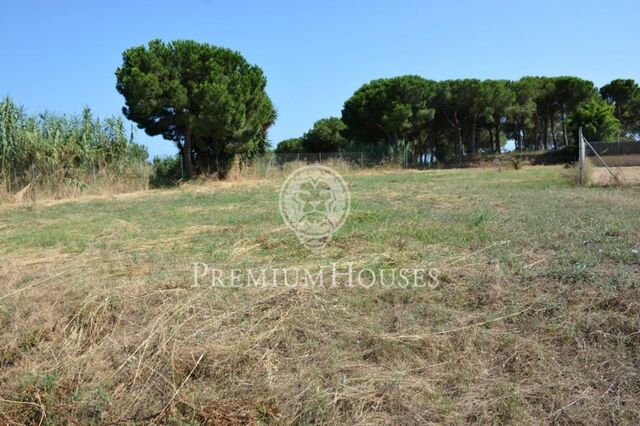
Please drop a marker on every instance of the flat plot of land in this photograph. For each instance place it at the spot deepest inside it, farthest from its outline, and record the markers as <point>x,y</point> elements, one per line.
<point>535,318</point>
<point>625,175</point>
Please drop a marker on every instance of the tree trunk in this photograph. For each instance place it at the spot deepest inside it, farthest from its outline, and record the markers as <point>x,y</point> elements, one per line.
<point>619,112</point>
<point>459,133</point>
<point>619,108</point>
<point>545,139</point>
<point>522,136</point>
<point>537,133</point>
<point>186,154</point>
<point>491,139</point>
<point>497,136</point>
<point>564,128</point>
<point>221,163</point>
<point>393,139</point>
<point>553,133</point>
<point>459,137</point>
<point>204,162</point>
<point>474,142</point>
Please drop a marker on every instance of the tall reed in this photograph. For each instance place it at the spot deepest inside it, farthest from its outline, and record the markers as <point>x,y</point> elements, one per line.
<point>59,155</point>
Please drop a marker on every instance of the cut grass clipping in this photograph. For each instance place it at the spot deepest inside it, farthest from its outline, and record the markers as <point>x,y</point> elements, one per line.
<point>536,318</point>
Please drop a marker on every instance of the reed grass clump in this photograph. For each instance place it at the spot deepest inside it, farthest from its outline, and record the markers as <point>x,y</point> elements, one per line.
<point>60,156</point>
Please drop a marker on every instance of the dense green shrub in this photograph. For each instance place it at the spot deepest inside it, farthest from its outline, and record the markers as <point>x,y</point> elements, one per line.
<point>167,171</point>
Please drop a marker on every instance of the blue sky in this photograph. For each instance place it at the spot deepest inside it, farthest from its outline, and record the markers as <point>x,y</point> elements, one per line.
<point>62,55</point>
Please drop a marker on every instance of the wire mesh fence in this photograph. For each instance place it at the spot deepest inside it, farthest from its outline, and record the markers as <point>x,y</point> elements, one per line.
<point>609,162</point>
<point>42,180</point>
<point>616,154</point>
<point>616,148</point>
<point>360,158</point>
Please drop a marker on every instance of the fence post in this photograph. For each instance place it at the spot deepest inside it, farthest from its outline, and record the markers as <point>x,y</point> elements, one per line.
<point>581,155</point>
<point>33,183</point>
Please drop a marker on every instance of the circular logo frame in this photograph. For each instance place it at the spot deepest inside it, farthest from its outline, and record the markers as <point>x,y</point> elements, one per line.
<point>314,203</point>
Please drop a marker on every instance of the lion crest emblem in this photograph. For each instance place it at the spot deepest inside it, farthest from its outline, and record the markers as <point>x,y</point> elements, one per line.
<point>314,203</point>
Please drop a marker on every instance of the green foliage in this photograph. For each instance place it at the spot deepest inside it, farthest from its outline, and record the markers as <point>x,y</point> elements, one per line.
<point>571,92</point>
<point>167,171</point>
<point>455,118</point>
<point>208,100</point>
<point>399,154</point>
<point>414,121</point>
<point>290,145</point>
<point>60,145</point>
<point>517,162</point>
<point>624,95</point>
<point>597,120</point>
<point>325,136</point>
<point>498,99</point>
<point>388,110</point>
<point>522,115</point>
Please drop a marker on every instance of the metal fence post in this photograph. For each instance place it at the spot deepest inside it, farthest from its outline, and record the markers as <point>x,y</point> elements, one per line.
<point>581,155</point>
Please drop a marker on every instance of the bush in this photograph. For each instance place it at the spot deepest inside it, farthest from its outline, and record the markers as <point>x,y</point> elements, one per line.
<point>167,171</point>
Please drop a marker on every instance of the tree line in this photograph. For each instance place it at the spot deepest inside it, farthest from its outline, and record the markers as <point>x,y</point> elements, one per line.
<point>212,104</point>
<point>450,119</point>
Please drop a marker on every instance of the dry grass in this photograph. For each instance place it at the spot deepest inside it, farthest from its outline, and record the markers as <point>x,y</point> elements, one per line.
<point>625,168</point>
<point>103,182</point>
<point>600,176</point>
<point>108,183</point>
<point>536,319</point>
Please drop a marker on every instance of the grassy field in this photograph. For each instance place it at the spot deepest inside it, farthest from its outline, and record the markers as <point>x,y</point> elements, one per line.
<point>536,318</point>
